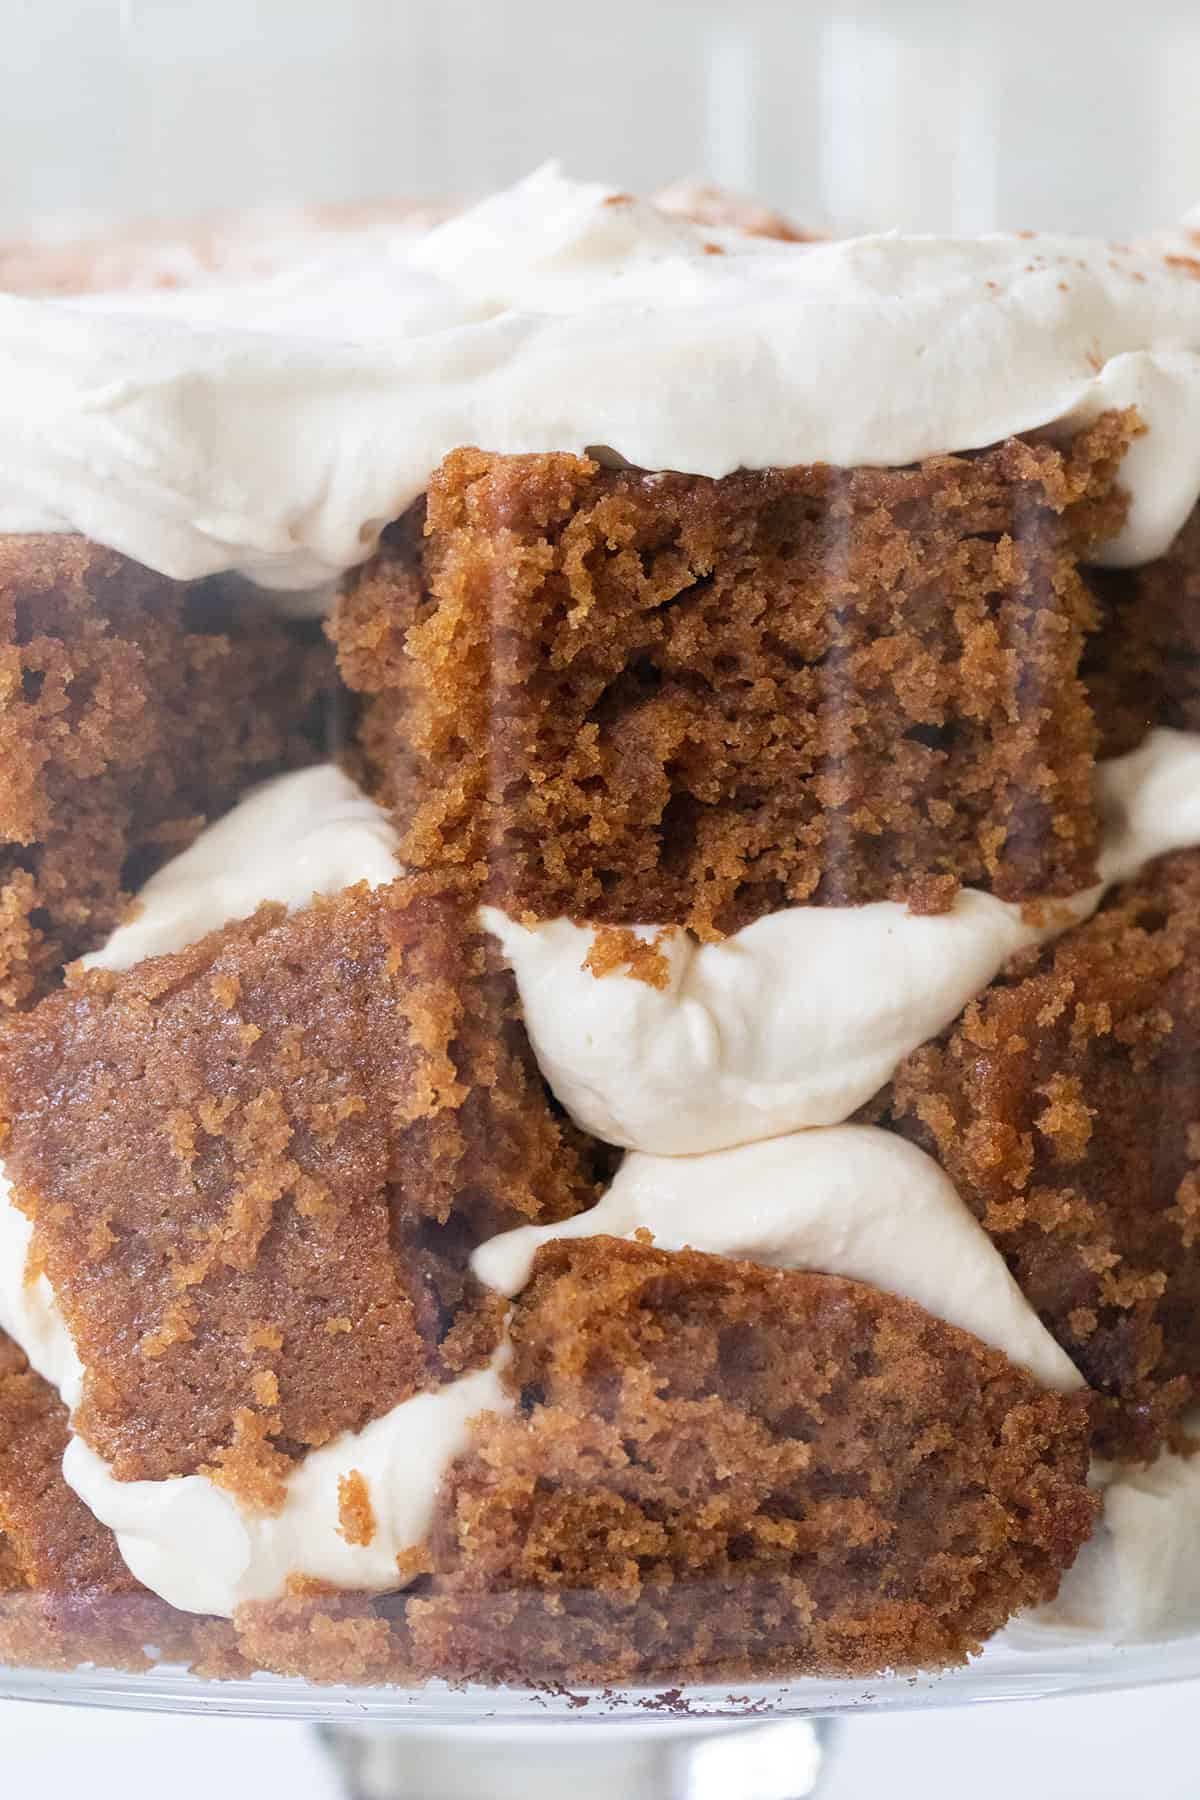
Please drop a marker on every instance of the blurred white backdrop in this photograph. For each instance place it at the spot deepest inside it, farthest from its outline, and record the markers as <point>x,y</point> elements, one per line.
<point>926,114</point>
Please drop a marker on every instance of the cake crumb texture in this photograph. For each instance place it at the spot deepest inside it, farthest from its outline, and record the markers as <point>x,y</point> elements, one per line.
<point>356,1515</point>
<point>725,1470</point>
<point>66,1596</point>
<point>1065,1105</point>
<point>287,1214</point>
<point>645,697</point>
<point>133,709</point>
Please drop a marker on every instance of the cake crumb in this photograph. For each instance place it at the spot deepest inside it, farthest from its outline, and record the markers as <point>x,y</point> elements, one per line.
<point>356,1516</point>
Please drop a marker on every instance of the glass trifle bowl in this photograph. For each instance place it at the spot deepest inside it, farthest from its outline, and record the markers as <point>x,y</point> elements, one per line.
<point>601,869</point>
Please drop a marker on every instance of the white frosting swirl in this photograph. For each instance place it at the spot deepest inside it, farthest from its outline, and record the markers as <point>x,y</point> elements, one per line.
<point>275,425</point>
<point>851,1200</point>
<point>799,1018</point>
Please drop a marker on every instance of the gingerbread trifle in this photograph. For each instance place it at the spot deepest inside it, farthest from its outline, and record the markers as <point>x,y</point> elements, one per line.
<point>599,946</point>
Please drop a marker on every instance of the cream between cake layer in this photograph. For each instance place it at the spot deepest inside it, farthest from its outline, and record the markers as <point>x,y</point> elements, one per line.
<point>275,425</point>
<point>850,1200</point>
<point>196,1546</point>
<point>860,1201</point>
<point>314,832</point>
<point>1138,1577</point>
<point>187,1539</point>
<point>797,1019</point>
<point>311,832</point>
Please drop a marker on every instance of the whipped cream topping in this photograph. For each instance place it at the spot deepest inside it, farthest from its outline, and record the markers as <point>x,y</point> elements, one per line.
<point>1138,1576</point>
<point>851,1200</point>
<point>800,1017</point>
<point>196,1546</point>
<point>275,424</point>
<point>312,832</point>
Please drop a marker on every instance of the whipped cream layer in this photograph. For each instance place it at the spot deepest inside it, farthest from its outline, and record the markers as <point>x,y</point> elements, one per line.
<point>274,425</point>
<point>196,1546</point>
<point>312,832</point>
<point>1138,1576</point>
<point>797,1019</point>
<point>851,1200</point>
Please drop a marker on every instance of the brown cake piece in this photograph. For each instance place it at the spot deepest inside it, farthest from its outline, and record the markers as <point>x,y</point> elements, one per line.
<point>1065,1104</point>
<point>327,1637</point>
<point>720,1470</point>
<point>247,245</point>
<point>134,709</point>
<point>1143,667</point>
<point>66,1596</point>
<point>656,697</point>
<point>256,1170</point>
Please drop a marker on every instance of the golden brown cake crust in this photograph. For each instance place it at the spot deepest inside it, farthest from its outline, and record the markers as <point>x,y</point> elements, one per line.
<point>256,1170</point>
<point>721,1470</point>
<point>641,697</point>
<point>1064,1106</point>
<point>133,710</point>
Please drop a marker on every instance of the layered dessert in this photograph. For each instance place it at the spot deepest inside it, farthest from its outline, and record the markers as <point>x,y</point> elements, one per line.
<point>601,897</point>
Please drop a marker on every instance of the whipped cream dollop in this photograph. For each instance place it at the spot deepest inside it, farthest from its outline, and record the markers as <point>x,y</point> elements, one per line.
<point>275,424</point>
<point>311,832</point>
<point>800,1017</point>
<point>201,1550</point>
<point>851,1200</point>
<point>1138,1576</point>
